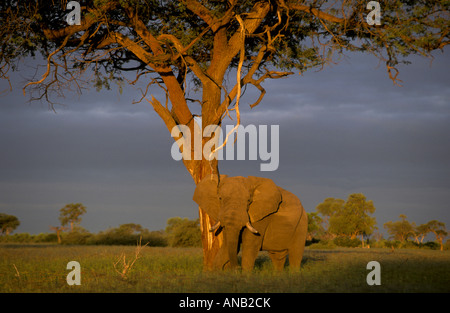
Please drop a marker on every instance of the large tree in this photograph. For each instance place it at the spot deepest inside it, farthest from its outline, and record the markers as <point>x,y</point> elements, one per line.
<point>349,218</point>
<point>173,44</point>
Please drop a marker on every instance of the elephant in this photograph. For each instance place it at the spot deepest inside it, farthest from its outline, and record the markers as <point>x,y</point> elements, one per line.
<point>256,214</point>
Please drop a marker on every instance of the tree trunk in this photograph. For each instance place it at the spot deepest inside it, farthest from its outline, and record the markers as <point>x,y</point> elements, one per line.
<point>210,242</point>
<point>58,235</point>
<point>197,168</point>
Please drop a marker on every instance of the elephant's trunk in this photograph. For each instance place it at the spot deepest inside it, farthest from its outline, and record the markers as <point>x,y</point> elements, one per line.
<point>232,242</point>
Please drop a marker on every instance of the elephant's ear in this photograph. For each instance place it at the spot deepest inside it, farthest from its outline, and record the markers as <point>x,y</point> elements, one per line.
<point>266,198</point>
<point>205,195</point>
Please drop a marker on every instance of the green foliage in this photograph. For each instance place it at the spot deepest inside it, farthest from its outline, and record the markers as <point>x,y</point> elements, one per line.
<point>76,237</point>
<point>8,223</point>
<point>400,230</point>
<point>315,228</point>
<point>179,233</point>
<point>182,232</point>
<point>347,242</point>
<point>322,244</point>
<point>27,238</point>
<point>291,35</point>
<point>71,214</point>
<point>129,234</point>
<point>349,218</point>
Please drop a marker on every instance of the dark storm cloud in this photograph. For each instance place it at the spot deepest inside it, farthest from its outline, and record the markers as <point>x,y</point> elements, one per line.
<point>349,129</point>
<point>342,130</point>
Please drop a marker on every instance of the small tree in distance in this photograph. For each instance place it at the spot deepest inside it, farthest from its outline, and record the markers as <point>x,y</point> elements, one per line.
<point>8,223</point>
<point>71,214</point>
<point>58,230</point>
<point>400,230</point>
<point>438,229</point>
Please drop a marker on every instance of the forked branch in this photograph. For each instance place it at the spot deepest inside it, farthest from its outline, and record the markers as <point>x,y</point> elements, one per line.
<point>122,266</point>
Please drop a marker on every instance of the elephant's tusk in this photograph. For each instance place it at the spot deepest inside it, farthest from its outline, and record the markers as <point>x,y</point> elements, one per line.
<point>250,227</point>
<point>214,227</point>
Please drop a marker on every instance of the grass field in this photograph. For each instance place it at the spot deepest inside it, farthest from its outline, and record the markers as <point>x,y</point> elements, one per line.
<point>42,268</point>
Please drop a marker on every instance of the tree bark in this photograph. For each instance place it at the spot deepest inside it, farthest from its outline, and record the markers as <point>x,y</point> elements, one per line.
<point>210,243</point>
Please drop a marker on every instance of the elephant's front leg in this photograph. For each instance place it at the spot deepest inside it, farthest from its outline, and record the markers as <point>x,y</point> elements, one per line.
<point>251,244</point>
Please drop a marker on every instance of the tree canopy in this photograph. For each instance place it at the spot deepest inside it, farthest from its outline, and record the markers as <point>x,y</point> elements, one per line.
<point>8,223</point>
<point>400,230</point>
<point>172,44</point>
<point>349,218</point>
<point>71,214</point>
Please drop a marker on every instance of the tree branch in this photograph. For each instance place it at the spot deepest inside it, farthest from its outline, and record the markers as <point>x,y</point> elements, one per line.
<point>202,12</point>
<point>315,12</point>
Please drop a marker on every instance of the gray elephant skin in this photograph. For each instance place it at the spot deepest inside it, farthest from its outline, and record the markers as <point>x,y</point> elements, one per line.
<point>254,214</point>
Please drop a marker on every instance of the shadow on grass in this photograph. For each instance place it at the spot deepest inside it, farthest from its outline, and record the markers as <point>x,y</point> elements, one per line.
<point>264,261</point>
<point>28,245</point>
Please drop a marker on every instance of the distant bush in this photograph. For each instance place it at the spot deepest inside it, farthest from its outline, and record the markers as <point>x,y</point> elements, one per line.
<point>113,237</point>
<point>312,241</point>
<point>75,238</point>
<point>347,242</point>
<point>323,244</point>
<point>27,238</point>
<point>182,232</point>
<point>45,237</point>
<point>391,244</point>
<point>432,245</point>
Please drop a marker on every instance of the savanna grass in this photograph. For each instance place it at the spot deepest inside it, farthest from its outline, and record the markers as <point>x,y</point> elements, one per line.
<point>42,268</point>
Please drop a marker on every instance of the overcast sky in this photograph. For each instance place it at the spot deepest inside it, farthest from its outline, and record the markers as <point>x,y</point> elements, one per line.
<point>346,129</point>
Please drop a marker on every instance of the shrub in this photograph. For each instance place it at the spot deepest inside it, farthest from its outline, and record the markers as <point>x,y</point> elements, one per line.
<point>323,244</point>
<point>182,232</point>
<point>432,245</point>
<point>20,237</point>
<point>312,241</point>
<point>347,242</point>
<point>391,244</point>
<point>75,238</point>
<point>45,237</point>
<point>155,239</point>
<point>114,237</point>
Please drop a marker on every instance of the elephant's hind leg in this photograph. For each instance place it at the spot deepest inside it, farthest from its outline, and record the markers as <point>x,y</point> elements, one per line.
<point>298,245</point>
<point>278,259</point>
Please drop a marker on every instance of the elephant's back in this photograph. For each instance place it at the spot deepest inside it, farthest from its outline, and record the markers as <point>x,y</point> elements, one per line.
<point>284,222</point>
